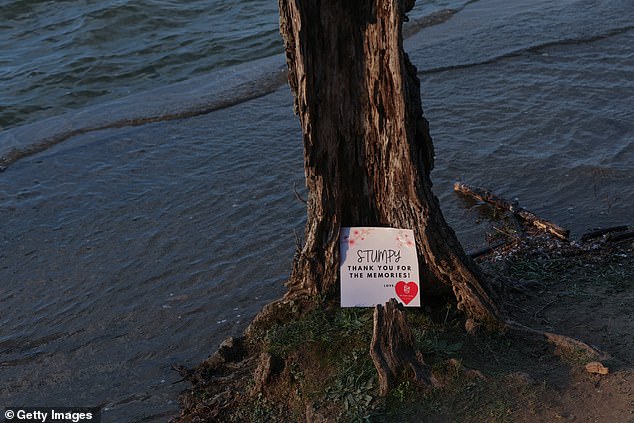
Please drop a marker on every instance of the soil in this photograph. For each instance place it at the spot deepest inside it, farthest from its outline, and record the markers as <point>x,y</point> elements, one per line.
<point>303,362</point>
<point>585,291</point>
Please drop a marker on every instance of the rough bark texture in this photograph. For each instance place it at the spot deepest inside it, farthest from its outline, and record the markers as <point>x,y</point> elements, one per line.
<point>392,348</point>
<point>368,151</point>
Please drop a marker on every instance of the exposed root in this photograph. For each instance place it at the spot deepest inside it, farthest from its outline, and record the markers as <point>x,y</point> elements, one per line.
<point>392,349</point>
<point>558,340</point>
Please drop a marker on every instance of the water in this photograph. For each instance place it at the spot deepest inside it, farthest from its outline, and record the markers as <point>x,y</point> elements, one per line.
<point>55,58</point>
<point>126,250</point>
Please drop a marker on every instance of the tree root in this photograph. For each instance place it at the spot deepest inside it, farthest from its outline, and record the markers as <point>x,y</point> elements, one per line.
<point>393,352</point>
<point>560,341</point>
<point>392,349</point>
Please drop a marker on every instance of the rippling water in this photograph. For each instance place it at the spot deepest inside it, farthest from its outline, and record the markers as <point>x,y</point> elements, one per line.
<point>56,57</point>
<point>126,250</point>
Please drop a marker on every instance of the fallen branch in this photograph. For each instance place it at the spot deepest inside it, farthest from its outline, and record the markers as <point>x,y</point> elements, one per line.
<point>597,233</point>
<point>502,204</point>
<point>621,236</point>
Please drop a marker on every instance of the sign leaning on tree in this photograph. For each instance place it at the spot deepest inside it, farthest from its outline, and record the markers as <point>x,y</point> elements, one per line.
<point>378,264</point>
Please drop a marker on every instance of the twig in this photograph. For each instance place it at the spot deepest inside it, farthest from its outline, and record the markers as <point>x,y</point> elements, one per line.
<point>544,307</point>
<point>297,195</point>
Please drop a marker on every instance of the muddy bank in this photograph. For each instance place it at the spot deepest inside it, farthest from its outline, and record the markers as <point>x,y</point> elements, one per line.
<point>310,362</point>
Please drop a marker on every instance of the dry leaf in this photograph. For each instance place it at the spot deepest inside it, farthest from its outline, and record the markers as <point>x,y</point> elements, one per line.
<point>596,367</point>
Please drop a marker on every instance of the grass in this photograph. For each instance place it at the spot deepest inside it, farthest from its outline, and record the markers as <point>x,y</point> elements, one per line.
<point>340,383</point>
<point>345,326</point>
<point>465,399</point>
<point>328,366</point>
<point>327,373</point>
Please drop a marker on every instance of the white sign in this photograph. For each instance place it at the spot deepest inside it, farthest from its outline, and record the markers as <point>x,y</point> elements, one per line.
<point>378,264</point>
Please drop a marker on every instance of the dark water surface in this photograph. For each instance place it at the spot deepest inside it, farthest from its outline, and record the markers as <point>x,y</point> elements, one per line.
<point>130,250</point>
<point>59,56</point>
<point>126,251</point>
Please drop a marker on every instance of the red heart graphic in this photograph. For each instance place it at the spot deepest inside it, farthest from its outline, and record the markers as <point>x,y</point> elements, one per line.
<point>406,291</point>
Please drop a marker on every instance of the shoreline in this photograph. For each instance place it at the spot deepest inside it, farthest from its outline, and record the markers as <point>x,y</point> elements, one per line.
<point>285,365</point>
<point>157,189</point>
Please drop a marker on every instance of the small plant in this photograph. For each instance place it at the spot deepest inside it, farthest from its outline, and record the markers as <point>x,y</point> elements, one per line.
<point>429,342</point>
<point>262,410</point>
<point>403,391</point>
<point>353,391</point>
<point>353,321</point>
<point>354,385</point>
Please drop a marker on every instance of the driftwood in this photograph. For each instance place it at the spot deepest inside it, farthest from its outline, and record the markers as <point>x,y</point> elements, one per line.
<point>502,204</point>
<point>392,348</point>
<point>597,233</point>
<point>621,236</point>
<point>614,233</point>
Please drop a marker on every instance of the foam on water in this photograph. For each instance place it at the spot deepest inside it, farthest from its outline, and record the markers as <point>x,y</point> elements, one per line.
<point>222,88</point>
<point>58,58</point>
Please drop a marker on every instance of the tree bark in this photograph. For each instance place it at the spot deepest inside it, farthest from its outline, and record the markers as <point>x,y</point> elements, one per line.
<point>392,349</point>
<point>368,152</point>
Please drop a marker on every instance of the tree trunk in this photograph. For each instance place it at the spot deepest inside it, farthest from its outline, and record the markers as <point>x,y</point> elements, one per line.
<point>367,148</point>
